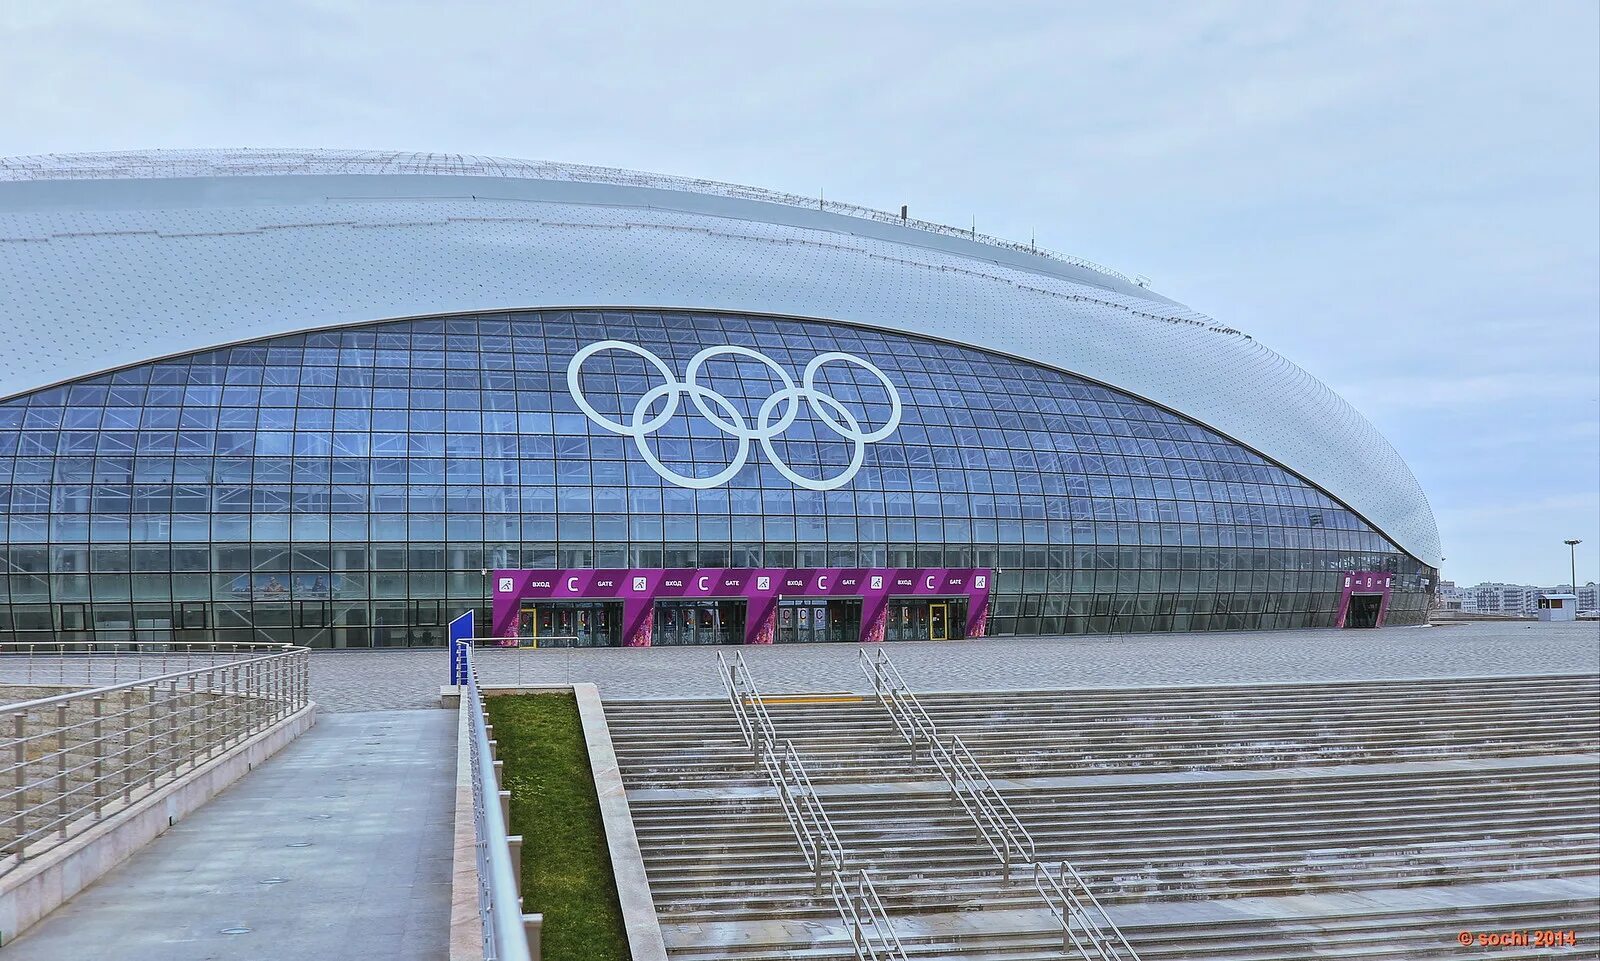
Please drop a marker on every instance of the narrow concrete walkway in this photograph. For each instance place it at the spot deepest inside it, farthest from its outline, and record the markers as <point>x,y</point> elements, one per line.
<point>338,848</point>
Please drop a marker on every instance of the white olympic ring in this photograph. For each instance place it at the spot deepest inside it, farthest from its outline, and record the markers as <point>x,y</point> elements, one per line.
<point>720,411</point>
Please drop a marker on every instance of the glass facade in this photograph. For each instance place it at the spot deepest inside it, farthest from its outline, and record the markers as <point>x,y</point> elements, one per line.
<point>349,488</point>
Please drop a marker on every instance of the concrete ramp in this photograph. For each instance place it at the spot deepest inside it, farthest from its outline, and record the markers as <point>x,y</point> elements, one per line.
<point>337,848</point>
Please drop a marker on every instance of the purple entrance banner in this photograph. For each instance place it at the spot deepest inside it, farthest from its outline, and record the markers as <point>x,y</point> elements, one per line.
<point>1364,582</point>
<point>761,588</point>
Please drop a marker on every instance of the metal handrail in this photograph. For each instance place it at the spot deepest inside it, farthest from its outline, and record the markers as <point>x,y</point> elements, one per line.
<point>1100,932</point>
<point>802,808</point>
<point>93,663</point>
<point>505,935</point>
<point>871,934</point>
<point>749,711</point>
<point>997,823</point>
<point>76,758</point>
<point>499,643</point>
<point>276,650</point>
<point>969,785</point>
<point>980,785</point>
<point>808,818</point>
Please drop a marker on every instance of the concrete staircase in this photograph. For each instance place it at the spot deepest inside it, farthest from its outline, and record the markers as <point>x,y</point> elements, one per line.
<point>1370,820</point>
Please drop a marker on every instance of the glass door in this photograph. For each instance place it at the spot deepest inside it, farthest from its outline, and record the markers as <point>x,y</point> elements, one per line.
<point>938,622</point>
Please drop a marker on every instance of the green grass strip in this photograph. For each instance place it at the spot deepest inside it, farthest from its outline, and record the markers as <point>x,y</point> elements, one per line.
<point>566,868</point>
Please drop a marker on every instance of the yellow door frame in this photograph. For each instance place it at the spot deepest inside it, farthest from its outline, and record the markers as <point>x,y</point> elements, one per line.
<point>943,620</point>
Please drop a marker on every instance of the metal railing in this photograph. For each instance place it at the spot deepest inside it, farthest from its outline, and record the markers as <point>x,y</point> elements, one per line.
<point>871,935</point>
<point>997,824</point>
<point>969,785</point>
<point>76,758</point>
<point>190,163</point>
<point>1086,928</point>
<point>755,724</point>
<point>505,928</point>
<point>87,663</point>
<point>871,932</point>
<point>543,641</point>
<point>808,819</point>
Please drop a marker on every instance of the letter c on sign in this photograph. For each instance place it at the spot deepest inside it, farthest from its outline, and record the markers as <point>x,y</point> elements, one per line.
<point>701,583</point>
<point>572,583</point>
<point>930,582</point>
<point>822,582</point>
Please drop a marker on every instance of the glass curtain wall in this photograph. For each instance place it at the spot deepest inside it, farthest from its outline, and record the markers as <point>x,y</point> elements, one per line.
<point>348,488</point>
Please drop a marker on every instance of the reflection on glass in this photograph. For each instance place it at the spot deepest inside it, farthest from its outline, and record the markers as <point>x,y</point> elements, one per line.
<point>1098,512</point>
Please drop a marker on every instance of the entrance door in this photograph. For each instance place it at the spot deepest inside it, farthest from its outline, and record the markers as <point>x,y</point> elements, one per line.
<point>698,622</point>
<point>938,622</point>
<point>532,622</point>
<point>666,626</point>
<point>1363,610</point>
<point>844,621</point>
<point>818,620</point>
<point>571,625</point>
<point>908,621</point>
<point>730,622</point>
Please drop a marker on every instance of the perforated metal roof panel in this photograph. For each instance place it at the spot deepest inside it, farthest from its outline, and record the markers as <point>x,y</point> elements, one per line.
<point>108,260</point>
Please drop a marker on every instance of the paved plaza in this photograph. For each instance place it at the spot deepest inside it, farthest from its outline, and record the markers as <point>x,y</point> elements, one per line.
<point>383,680</point>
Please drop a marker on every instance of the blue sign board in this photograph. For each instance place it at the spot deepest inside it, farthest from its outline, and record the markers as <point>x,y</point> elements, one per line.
<point>460,646</point>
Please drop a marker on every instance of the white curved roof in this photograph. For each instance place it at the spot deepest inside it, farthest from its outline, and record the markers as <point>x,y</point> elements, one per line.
<point>112,259</point>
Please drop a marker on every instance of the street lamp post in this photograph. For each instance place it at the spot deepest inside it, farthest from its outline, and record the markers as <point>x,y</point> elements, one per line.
<point>1572,552</point>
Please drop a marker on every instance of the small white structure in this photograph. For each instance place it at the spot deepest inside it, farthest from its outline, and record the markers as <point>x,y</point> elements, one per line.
<point>1558,607</point>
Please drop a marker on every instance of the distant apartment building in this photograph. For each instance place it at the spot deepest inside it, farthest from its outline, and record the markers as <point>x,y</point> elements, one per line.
<point>1449,597</point>
<point>1588,595</point>
<point>1512,599</point>
<point>1518,600</point>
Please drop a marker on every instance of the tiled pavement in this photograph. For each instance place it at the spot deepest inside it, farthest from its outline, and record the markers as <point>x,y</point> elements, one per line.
<point>379,680</point>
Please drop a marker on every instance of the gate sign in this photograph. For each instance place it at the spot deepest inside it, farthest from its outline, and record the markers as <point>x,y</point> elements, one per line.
<point>761,589</point>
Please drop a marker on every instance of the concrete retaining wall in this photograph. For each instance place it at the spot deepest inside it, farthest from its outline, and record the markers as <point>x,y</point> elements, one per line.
<point>627,863</point>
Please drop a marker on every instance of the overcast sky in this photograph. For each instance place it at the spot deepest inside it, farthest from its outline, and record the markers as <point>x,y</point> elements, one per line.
<point>1402,197</point>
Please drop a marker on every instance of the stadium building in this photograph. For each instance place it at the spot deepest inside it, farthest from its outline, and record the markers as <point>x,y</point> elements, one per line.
<point>338,397</point>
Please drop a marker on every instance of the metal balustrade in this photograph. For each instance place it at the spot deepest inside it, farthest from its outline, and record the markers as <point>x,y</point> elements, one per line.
<point>1086,928</point>
<point>506,929</point>
<point>755,724</point>
<point>88,663</point>
<point>871,935</point>
<point>970,787</point>
<point>74,759</point>
<point>871,932</point>
<point>997,824</point>
<point>529,643</point>
<point>819,842</point>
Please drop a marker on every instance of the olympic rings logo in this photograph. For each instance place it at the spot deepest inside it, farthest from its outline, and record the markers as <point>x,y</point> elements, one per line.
<point>719,410</point>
